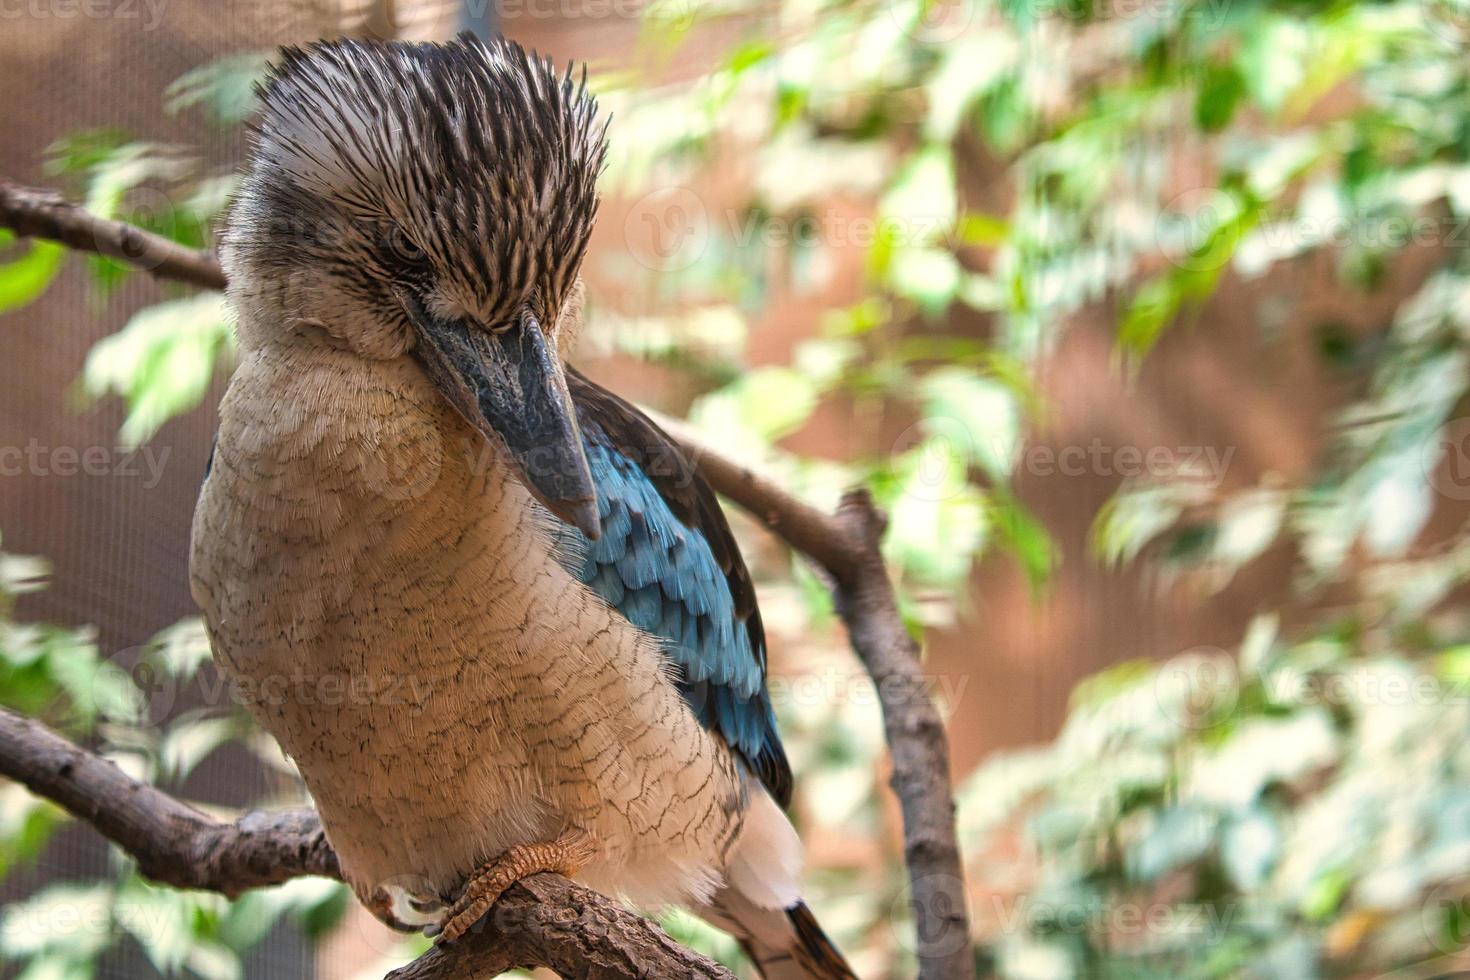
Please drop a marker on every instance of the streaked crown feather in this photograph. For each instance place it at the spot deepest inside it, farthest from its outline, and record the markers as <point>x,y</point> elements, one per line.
<point>471,165</point>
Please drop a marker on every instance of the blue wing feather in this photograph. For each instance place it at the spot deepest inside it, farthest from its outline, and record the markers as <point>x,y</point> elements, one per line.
<point>665,580</point>
<point>660,570</point>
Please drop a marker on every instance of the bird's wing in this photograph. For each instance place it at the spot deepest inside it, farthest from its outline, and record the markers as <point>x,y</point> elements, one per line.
<point>668,562</point>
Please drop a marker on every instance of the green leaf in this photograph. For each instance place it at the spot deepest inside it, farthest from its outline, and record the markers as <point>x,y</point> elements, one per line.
<point>1152,309</point>
<point>211,961</point>
<point>1026,538</point>
<point>929,276</point>
<point>128,167</point>
<point>1178,835</point>
<point>79,153</point>
<point>988,230</point>
<point>1248,524</point>
<point>226,87</point>
<point>748,55</point>
<point>971,67</point>
<point>23,280</point>
<point>315,903</point>
<point>823,360</point>
<point>26,825</point>
<point>775,401</point>
<point>1326,894</point>
<point>161,920</point>
<point>190,741</point>
<point>76,918</point>
<point>937,519</point>
<point>322,909</point>
<point>981,416</point>
<point>1250,847</point>
<point>181,649</point>
<point>1273,60</point>
<point>161,362</point>
<point>922,201</point>
<point>22,574</point>
<point>1134,517</point>
<point>1220,93</point>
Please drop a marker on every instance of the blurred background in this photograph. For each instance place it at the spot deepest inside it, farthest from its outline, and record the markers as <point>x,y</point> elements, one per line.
<point>1146,320</point>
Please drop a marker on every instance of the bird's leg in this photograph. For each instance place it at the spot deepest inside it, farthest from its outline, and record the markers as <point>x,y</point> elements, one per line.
<point>566,855</point>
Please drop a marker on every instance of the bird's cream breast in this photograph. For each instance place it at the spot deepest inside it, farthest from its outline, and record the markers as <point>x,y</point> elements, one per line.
<point>386,593</point>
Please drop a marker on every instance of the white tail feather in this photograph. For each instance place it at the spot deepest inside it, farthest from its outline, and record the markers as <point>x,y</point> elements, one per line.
<point>766,862</point>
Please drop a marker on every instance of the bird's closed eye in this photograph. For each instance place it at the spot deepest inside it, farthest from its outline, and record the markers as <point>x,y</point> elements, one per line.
<point>404,255</point>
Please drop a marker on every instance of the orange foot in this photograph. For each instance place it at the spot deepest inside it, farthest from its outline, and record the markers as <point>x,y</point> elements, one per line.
<point>566,855</point>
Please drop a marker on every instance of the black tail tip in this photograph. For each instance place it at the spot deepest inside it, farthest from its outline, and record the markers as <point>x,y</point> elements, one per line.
<point>823,957</point>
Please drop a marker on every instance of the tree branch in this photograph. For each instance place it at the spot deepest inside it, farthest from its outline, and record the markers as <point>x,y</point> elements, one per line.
<point>845,544</point>
<point>45,214</point>
<point>544,920</point>
<point>173,843</point>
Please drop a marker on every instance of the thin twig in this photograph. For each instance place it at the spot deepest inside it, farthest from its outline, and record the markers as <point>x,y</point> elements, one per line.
<point>845,544</point>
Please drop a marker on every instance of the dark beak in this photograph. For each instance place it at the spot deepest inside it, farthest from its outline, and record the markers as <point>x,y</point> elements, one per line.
<point>509,386</point>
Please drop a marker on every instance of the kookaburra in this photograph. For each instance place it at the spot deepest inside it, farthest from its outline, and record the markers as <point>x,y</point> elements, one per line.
<point>488,608</point>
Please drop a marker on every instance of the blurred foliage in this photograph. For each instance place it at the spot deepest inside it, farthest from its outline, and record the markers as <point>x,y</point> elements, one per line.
<point>1313,821</point>
<point>997,166</point>
<point>126,705</point>
<point>1295,810</point>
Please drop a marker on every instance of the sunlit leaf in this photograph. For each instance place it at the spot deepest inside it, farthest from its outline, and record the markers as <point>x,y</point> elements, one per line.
<point>226,87</point>
<point>1273,59</point>
<point>749,414</point>
<point>979,414</point>
<point>937,519</point>
<point>71,916</point>
<point>190,741</point>
<point>160,362</point>
<point>24,279</point>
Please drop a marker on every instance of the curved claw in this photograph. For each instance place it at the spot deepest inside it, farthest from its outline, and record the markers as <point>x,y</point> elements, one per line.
<point>566,855</point>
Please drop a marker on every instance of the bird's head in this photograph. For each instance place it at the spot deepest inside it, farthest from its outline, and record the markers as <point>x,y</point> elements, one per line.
<point>433,201</point>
